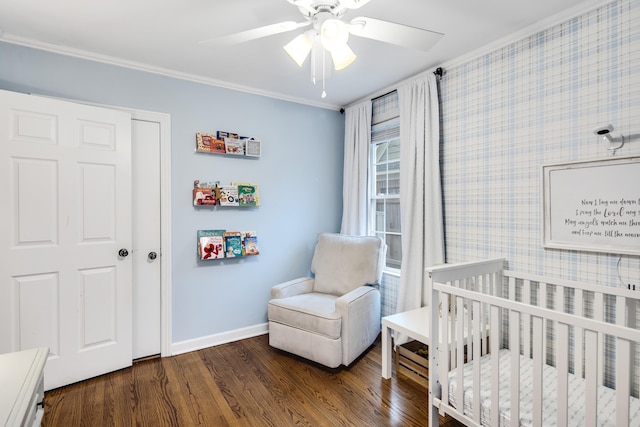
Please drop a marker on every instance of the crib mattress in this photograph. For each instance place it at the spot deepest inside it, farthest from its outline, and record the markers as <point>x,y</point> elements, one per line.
<point>606,396</point>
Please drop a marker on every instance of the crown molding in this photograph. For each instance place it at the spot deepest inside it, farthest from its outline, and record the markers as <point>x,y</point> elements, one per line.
<point>139,66</point>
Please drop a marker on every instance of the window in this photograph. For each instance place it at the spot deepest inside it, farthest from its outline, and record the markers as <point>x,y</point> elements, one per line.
<point>384,177</point>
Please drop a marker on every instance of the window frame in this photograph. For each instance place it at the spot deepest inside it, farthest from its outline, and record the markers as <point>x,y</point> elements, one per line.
<point>385,129</point>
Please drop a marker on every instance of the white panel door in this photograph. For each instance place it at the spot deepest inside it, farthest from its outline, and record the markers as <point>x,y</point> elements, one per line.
<point>146,254</point>
<point>65,212</point>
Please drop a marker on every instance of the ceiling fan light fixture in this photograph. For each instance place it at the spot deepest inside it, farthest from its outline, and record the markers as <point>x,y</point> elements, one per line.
<point>342,57</point>
<point>334,34</point>
<point>298,48</point>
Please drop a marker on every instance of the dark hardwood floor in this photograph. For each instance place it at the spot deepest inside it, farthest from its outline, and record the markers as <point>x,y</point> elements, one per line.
<point>245,383</point>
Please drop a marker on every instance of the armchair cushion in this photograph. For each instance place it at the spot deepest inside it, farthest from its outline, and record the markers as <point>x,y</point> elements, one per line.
<point>342,263</point>
<point>312,312</point>
<point>302,285</point>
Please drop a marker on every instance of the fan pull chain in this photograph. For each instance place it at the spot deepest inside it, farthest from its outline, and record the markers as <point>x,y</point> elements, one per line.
<point>324,93</point>
<point>313,66</point>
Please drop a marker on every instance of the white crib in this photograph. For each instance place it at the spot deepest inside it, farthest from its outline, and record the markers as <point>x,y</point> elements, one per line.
<point>567,363</point>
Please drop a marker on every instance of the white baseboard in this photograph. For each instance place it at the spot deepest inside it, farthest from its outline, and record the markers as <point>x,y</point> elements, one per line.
<point>217,339</point>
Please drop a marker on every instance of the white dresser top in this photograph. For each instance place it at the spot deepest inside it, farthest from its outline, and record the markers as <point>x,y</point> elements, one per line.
<point>19,376</point>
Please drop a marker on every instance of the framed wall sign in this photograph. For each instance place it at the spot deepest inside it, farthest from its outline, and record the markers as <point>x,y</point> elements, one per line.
<point>592,205</point>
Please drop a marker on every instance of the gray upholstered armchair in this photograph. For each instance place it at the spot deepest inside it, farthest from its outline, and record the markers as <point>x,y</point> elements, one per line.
<point>333,317</point>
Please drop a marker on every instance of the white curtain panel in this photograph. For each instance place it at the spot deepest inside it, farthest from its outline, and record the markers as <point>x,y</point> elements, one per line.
<point>357,140</point>
<point>420,190</point>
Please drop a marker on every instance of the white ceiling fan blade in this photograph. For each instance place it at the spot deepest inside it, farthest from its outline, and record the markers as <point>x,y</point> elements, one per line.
<point>389,32</point>
<point>255,33</point>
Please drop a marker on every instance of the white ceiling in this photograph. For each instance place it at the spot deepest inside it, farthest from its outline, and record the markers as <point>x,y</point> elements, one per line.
<point>163,35</point>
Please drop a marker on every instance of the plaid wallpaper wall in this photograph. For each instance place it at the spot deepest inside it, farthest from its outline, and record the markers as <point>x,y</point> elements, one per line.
<point>531,103</point>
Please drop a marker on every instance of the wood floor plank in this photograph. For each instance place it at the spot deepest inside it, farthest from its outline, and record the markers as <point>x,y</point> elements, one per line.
<point>244,383</point>
<point>206,403</point>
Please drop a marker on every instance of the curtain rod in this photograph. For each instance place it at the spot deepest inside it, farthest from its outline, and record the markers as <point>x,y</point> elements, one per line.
<point>439,72</point>
<point>384,94</point>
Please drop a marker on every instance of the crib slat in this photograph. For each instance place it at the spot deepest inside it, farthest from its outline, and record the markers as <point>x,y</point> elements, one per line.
<point>514,345</point>
<point>495,366</point>
<point>475,308</point>
<point>542,302</point>
<point>558,305</point>
<point>598,314</point>
<point>484,313</point>
<point>578,335</point>
<point>526,319</point>
<point>512,288</point>
<point>512,297</point>
<point>591,379</point>
<point>623,367</point>
<point>631,322</point>
<point>445,363</point>
<point>460,353</point>
<point>452,328</point>
<point>623,362</point>
<point>468,336</point>
<point>537,370</point>
<point>562,364</point>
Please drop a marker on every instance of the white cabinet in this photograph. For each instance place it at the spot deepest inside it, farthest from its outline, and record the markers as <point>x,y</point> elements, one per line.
<point>22,389</point>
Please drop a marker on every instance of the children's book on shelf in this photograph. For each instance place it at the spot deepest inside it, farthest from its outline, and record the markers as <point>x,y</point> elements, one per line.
<point>233,244</point>
<point>211,244</point>
<point>234,146</point>
<point>209,143</point>
<point>222,135</point>
<point>246,195</point>
<point>249,243</point>
<point>227,195</point>
<point>204,197</point>
<point>246,188</point>
<point>218,146</point>
<point>204,193</point>
<point>252,147</point>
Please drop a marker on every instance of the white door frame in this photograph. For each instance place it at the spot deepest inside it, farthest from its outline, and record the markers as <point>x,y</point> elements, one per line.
<point>164,120</point>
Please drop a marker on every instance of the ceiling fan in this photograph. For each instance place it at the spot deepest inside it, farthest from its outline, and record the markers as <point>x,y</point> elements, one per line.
<point>329,33</point>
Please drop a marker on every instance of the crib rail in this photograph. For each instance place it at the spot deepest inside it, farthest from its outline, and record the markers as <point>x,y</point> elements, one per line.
<point>484,276</point>
<point>547,313</point>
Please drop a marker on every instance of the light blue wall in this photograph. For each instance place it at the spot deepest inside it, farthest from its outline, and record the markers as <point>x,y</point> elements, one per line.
<point>299,173</point>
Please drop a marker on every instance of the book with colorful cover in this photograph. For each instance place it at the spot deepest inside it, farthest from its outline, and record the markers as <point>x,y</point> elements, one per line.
<point>210,244</point>
<point>249,185</point>
<point>232,244</point>
<point>204,197</point>
<point>249,243</point>
<point>218,146</point>
<point>203,142</point>
<point>223,134</point>
<point>234,146</point>
<point>204,193</point>
<point>247,195</point>
<point>227,195</point>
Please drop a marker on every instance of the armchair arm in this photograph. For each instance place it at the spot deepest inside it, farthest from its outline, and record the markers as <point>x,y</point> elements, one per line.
<point>360,312</point>
<point>302,285</point>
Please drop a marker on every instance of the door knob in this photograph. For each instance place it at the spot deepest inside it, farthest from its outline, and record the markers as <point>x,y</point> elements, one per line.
<point>152,255</point>
<point>123,252</point>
